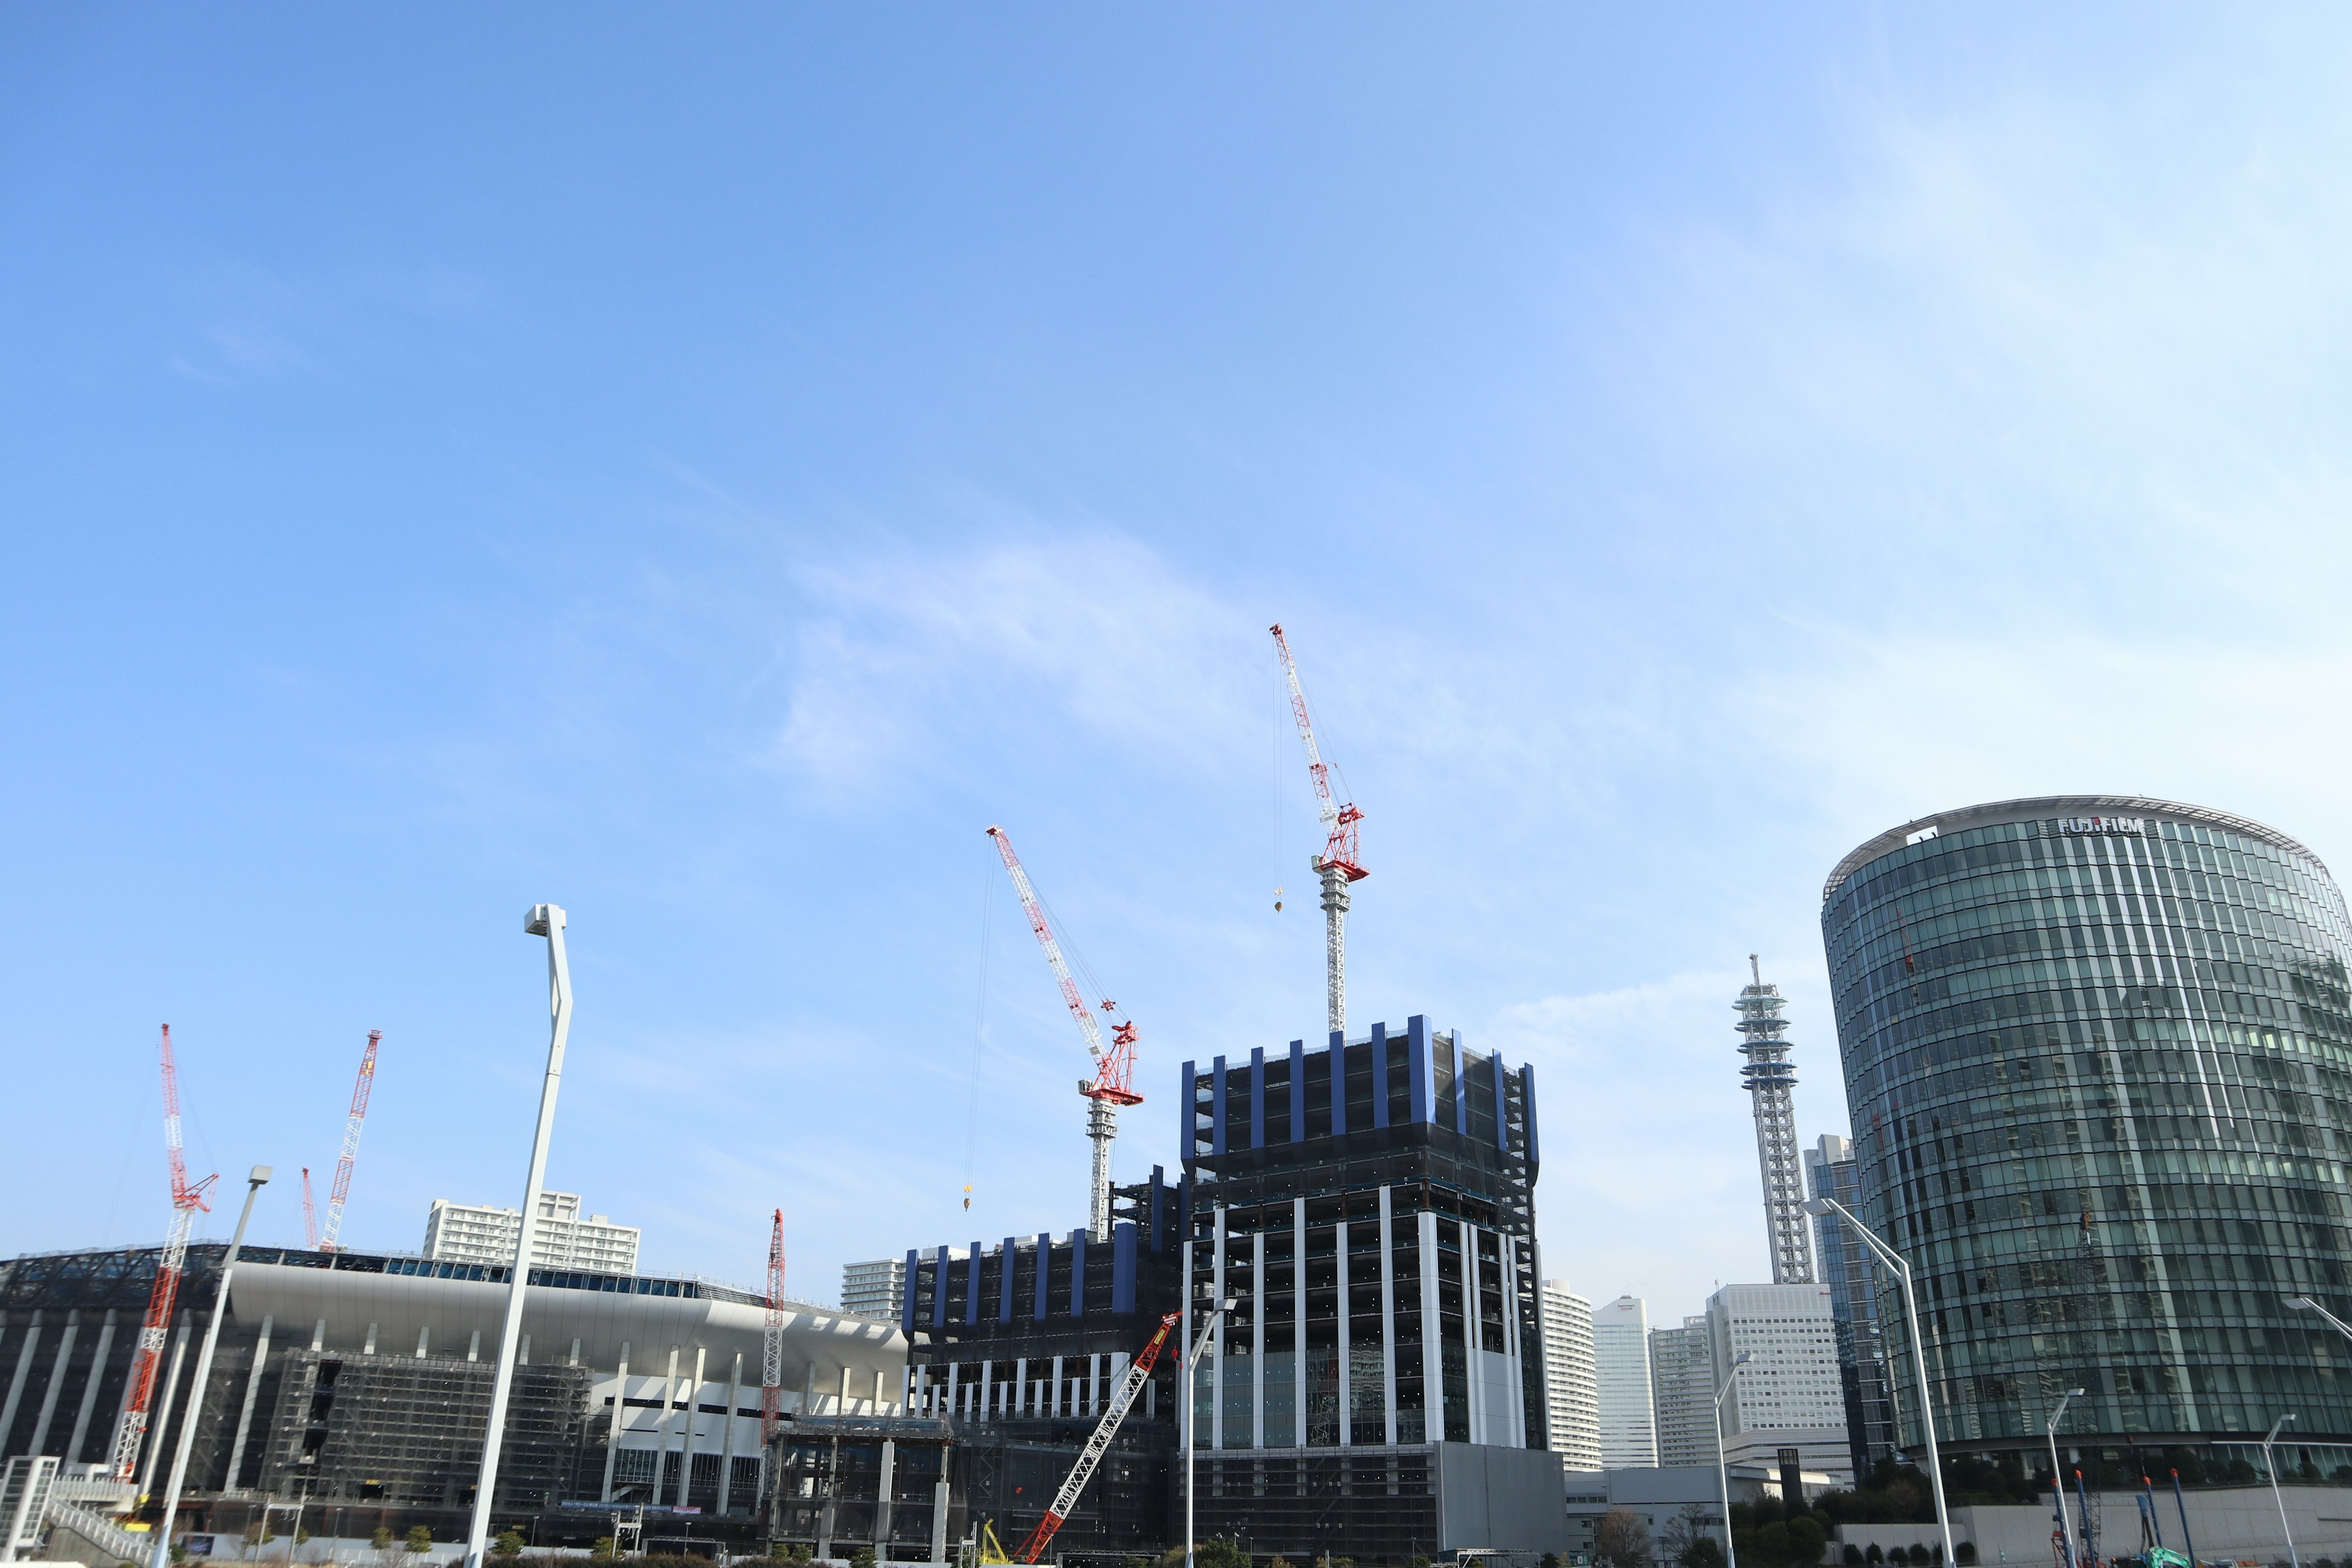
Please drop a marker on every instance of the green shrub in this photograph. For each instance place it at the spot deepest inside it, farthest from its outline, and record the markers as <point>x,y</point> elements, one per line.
<point>419,1539</point>
<point>862,1557</point>
<point>507,1544</point>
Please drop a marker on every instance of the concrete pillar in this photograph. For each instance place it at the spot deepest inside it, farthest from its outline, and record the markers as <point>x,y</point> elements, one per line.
<point>369,1348</point>
<point>1217,1330</point>
<point>668,1424</point>
<point>17,1382</point>
<point>574,1359</point>
<point>1054,1404</point>
<point>522,1355</point>
<point>882,1503</point>
<point>613,1428</point>
<point>89,1389</point>
<point>685,1439</point>
<point>1257,1339</point>
<point>474,1349</point>
<point>1388,1320</point>
<point>1298,1318</point>
<point>940,1521</point>
<point>1346,1354</point>
<point>877,1392</point>
<point>319,1335</point>
<point>988,1386</point>
<point>424,1338</point>
<point>1473,1333</point>
<point>244,1412</point>
<point>727,1430</point>
<point>1432,1337</point>
<point>56,1386</point>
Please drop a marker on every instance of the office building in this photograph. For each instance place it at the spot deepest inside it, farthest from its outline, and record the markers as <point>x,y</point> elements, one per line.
<point>1572,1399</point>
<point>2098,1052</point>
<point>1786,1405</point>
<point>1621,1377</point>
<point>470,1233</point>
<point>1770,1077</point>
<point>1681,1392</point>
<point>361,1382</point>
<point>876,1290</point>
<point>1847,1268</point>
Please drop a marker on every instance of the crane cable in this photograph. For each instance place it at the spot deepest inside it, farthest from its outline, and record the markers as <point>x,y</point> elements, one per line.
<point>978,1025</point>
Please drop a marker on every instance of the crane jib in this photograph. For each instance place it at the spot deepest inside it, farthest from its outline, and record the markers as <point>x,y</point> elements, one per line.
<point>1097,1445</point>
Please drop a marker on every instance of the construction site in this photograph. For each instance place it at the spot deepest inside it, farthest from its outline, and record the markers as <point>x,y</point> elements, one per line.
<point>1320,1337</point>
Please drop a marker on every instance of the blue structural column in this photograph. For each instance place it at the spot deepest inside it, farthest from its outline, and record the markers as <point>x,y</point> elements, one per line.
<point>1045,1272</point>
<point>1380,1075</point>
<point>1078,1273</point>
<point>971,1288</point>
<point>1190,1099</point>
<point>1005,1283</point>
<point>1416,1046</point>
<point>1159,1208</point>
<point>1338,1083</point>
<point>1217,1106</point>
<point>907,1302</point>
<point>1502,1122</point>
<point>939,1290</point>
<point>1455,1054</point>
<point>1527,1106</point>
<point>1257,1097</point>
<point>1298,1092</point>
<point>1122,1268</point>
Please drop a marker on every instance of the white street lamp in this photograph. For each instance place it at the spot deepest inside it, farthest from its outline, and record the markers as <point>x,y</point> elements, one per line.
<point>1894,1259</point>
<point>1722,1473</point>
<point>253,1184</point>
<point>2057,1477</point>
<point>2271,1465</point>
<point>1192,1384</point>
<point>2305,1304</point>
<point>547,921</point>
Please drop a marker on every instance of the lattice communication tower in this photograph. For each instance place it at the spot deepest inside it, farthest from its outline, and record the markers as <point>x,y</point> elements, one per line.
<point>1770,1080</point>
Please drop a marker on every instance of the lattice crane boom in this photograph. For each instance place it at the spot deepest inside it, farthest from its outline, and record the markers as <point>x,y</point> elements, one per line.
<point>187,1201</point>
<point>772,1349</point>
<point>331,1234</point>
<point>1113,1084</point>
<point>1342,861</point>
<point>1097,1445</point>
<point>309,1214</point>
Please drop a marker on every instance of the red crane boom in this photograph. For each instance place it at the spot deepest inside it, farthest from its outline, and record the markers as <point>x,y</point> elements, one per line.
<point>1097,1445</point>
<point>331,1234</point>
<point>186,1201</point>
<point>1340,862</point>
<point>771,1356</point>
<point>309,1214</point>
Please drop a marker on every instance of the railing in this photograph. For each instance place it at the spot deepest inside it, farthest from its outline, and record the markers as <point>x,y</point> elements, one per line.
<point>100,1531</point>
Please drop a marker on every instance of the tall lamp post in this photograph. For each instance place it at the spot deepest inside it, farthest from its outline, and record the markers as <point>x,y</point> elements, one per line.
<point>1894,1259</point>
<point>547,921</point>
<point>2056,1475</point>
<point>1191,1383</point>
<point>2271,1464</point>
<point>1723,1472</point>
<point>254,1182</point>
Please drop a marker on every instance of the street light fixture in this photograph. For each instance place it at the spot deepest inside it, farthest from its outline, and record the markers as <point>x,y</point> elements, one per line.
<point>1722,1473</point>
<point>1894,1259</point>
<point>2305,1304</point>
<point>1191,1383</point>
<point>2271,1464</point>
<point>254,1182</point>
<point>2057,1476</point>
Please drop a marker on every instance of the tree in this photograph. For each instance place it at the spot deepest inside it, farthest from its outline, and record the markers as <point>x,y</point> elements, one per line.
<point>1852,1555</point>
<point>1705,1553</point>
<point>1772,1543</point>
<point>862,1557</point>
<point>1219,1552</point>
<point>507,1544</point>
<point>1682,1534</point>
<point>419,1542</point>
<point>602,1546</point>
<point>1621,1540</point>
<point>1807,1540</point>
<point>380,1540</point>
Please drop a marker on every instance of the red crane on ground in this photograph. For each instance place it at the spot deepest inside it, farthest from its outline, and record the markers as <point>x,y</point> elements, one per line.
<point>186,1201</point>
<point>1113,1084</point>
<point>331,1234</point>
<point>1097,1445</point>
<point>771,1351</point>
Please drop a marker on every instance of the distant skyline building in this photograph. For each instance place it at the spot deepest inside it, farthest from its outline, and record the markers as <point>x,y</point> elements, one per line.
<point>1789,1395</point>
<point>1681,1392</point>
<point>1851,1275</point>
<point>480,1233</point>
<point>2098,1052</point>
<point>1621,1364</point>
<point>1571,1395</point>
<point>875,1290</point>
<point>1770,1080</point>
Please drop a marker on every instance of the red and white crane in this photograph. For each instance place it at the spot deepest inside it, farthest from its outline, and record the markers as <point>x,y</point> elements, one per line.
<point>331,1233</point>
<point>771,1350</point>
<point>1113,1084</point>
<point>1339,863</point>
<point>186,1202</point>
<point>309,1214</point>
<point>1097,1445</point>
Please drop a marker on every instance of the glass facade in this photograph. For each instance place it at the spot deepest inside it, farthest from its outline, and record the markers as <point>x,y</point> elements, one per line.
<point>1852,1274</point>
<point>2098,1054</point>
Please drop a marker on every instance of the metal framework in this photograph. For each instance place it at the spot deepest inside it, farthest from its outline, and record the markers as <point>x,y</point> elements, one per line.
<point>186,1201</point>
<point>1113,1084</point>
<point>309,1214</point>
<point>1340,864</point>
<point>331,1234</point>
<point>772,1347</point>
<point>1770,1080</point>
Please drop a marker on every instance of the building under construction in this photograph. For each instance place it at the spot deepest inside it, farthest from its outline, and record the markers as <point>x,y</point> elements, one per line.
<point>361,1382</point>
<point>1377,1389</point>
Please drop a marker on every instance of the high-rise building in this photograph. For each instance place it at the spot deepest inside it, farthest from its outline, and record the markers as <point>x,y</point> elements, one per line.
<point>1681,1392</point>
<point>1851,1275</point>
<point>2098,1053</point>
<point>471,1233</point>
<point>876,1290</point>
<point>1770,1080</point>
<point>1787,1395</point>
<point>1572,1399</point>
<point>1621,1368</point>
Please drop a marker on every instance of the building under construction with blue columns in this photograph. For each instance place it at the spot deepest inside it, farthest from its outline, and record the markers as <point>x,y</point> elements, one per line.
<point>1375,1390</point>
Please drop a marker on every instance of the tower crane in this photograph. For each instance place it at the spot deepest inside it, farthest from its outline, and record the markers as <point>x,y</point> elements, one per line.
<point>1113,1084</point>
<point>309,1214</point>
<point>772,1349</point>
<point>331,1233</point>
<point>186,1201</point>
<point>1340,864</point>
<point>1098,1444</point>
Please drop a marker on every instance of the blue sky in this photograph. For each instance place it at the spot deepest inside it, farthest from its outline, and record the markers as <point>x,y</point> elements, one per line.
<point>703,467</point>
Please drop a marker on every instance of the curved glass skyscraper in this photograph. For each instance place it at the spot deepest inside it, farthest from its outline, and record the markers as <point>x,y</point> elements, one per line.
<point>2098,1053</point>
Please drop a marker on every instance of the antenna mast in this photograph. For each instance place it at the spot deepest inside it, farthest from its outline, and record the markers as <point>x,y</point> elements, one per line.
<point>1770,1078</point>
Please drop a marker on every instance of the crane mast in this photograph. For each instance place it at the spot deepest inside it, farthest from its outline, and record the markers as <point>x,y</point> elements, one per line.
<point>1097,1445</point>
<point>1113,1084</point>
<point>186,1202</point>
<point>331,1234</point>
<point>309,1214</point>
<point>772,1349</point>
<point>1340,864</point>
